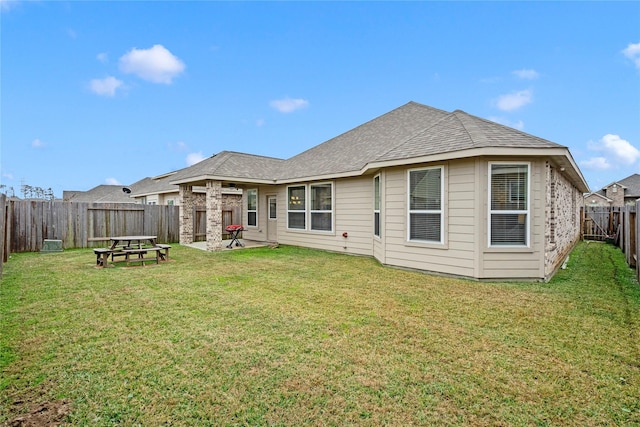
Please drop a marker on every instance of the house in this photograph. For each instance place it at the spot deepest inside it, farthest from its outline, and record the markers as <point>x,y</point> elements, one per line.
<point>417,188</point>
<point>616,194</point>
<point>598,200</point>
<point>98,194</point>
<point>158,190</point>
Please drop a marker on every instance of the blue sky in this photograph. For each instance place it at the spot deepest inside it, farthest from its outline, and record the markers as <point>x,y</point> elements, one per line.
<point>111,92</point>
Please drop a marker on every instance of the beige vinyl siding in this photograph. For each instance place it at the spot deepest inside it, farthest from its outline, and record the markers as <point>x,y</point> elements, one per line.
<point>379,243</point>
<point>524,263</point>
<point>456,255</point>
<point>259,232</point>
<point>353,214</point>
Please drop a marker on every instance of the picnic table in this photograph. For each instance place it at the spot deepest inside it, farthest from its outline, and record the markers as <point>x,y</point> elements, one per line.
<point>133,249</point>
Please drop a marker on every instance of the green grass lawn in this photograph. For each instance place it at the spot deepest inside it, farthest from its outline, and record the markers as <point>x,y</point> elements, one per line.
<point>292,336</point>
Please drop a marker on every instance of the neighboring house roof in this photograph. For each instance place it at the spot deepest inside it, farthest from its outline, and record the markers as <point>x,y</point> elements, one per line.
<point>412,133</point>
<point>598,195</point>
<point>101,194</point>
<point>631,185</point>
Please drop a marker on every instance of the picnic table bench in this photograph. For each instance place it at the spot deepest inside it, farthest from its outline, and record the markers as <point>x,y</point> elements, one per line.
<point>133,252</point>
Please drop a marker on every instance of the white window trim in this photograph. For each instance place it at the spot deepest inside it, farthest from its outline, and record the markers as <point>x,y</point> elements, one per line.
<point>527,212</point>
<point>307,208</point>
<point>310,211</point>
<point>269,198</point>
<point>306,201</point>
<point>251,210</point>
<point>431,211</point>
<point>379,209</point>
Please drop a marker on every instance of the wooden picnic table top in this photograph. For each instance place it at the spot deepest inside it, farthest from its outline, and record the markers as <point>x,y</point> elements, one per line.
<point>116,239</point>
<point>133,238</point>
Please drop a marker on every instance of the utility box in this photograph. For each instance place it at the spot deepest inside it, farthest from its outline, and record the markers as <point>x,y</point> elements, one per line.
<point>51,246</point>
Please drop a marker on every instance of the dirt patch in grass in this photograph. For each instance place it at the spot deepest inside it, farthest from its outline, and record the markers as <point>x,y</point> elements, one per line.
<point>40,414</point>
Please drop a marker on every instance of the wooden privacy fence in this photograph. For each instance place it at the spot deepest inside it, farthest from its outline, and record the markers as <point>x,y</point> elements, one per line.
<point>82,225</point>
<point>616,225</point>
<point>4,212</point>
<point>232,215</point>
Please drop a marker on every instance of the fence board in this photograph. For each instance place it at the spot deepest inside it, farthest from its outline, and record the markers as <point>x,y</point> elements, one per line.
<point>82,225</point>
<point>3,231</point>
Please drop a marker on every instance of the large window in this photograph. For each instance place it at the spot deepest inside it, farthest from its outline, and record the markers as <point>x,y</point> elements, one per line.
<point>321,206</point>
<point>509,204</point>
<point>252,208</point>
<point>316,213</point>
<point>296,207</point>
<point>376,206</point>
<point>426,205</point>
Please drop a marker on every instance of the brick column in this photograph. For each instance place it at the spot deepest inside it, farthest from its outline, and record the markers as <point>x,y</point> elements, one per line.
<point>187,202</point>
<point>214,215</point>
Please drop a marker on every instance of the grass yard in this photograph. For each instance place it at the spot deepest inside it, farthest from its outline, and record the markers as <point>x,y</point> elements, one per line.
<point>296,337</point>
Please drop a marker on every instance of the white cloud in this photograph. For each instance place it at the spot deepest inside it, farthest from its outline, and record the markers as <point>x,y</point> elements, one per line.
<point>102,57</point>
<point>616,149</point>
<point>112,181</point>
<point>527,74</point>
<point>503,121</point>
<point>36,143</point>
<point>179,146</point>
<point>288,105</point>
<point>514,100</point>
<point>106,86</point>
<point>194,158</point>
<point>7,175</point>
<point>615,152</point>
<point>155,64</point>
<point>633,53</point>
<point>260,122</point>
<point>7,4</point>
<point>596,163</point>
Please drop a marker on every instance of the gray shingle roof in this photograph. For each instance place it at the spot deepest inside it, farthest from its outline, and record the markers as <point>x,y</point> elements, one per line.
<point>352,150</point>
<point>101,194</point>
<point>461,131</point>
<point>230,165</point>
<point>631,185</point>
<point>410,131</point>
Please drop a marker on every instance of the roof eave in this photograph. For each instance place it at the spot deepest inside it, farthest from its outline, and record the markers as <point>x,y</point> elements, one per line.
<point>202,180</point>
<point>560,155</point>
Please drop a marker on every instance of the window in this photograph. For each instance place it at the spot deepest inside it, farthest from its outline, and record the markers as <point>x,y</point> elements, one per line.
<point>509,204</point>
<point>321,206</point>
<point>425,205</point>
<point>252,208</point>
<point>316,213</point>
<point>273,208</point>
<point>296,207</point>
<point>376,206</point>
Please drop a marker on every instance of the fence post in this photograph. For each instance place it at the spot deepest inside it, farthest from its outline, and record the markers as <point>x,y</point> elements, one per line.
<point>637,241</point>
<point>3,230</point>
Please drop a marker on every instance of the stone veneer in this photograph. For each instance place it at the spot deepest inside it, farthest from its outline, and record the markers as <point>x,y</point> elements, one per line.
<point>562,225</point>
<point>615,192</point>
<point>187,203</point>
<point>214,215</point>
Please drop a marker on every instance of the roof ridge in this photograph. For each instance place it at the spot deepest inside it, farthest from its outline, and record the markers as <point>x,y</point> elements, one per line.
<point>409,138</point>
<point>227,152</point>
<point>512,129</point>
<point>362,125</point>
<point>473,136</point>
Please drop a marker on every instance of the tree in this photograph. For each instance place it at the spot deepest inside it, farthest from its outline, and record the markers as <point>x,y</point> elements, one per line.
<point>31,192</point>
